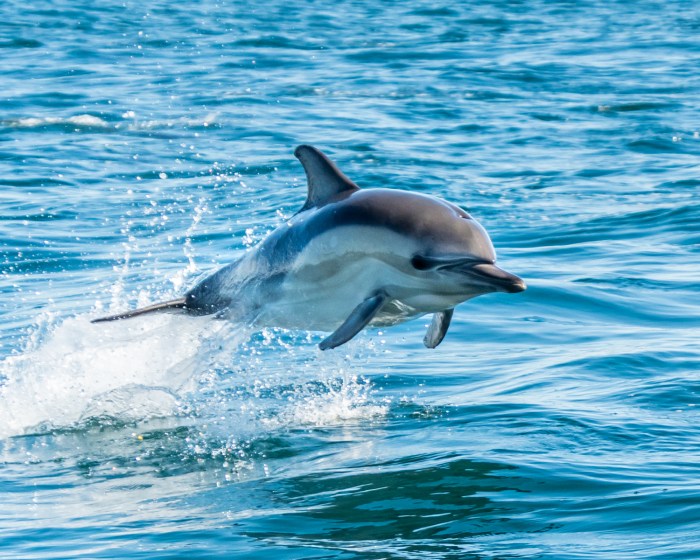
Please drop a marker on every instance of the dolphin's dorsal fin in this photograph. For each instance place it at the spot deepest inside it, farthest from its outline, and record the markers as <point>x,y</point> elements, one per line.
<point>325,180</point>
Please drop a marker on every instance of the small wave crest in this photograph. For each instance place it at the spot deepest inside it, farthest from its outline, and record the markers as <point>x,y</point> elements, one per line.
<point>128,121</point>
<point>81,121</point>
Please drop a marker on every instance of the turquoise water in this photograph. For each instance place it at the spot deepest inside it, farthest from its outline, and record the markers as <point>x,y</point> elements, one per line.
<point>143,144</point>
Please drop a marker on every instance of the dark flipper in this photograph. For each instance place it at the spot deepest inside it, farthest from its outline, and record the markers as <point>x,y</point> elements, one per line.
<point>356,321</point>
<point>166,305</point>
<point>438,328</point>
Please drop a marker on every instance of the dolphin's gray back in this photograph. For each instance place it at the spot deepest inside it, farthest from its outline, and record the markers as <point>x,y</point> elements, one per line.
<point>412,216</point>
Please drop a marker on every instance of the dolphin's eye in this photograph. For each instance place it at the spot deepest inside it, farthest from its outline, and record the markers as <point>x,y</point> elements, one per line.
<point>422,263</point>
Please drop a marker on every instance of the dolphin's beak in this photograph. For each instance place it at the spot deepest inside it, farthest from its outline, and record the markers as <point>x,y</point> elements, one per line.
<point>480,272</point>
<point>496,278</point>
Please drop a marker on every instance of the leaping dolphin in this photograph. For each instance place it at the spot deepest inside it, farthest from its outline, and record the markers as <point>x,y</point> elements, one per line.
<point>352,258</point>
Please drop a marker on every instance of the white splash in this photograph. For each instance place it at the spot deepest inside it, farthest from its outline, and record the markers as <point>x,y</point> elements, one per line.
<point>165,365</point>
<point>125,370</point>
<point>277,386</point>
<point>347,398</point>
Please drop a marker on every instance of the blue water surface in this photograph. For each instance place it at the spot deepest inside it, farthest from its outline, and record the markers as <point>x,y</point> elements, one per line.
<point>143,144</point>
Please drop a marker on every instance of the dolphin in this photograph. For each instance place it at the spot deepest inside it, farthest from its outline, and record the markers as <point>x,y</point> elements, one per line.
<point>352,258</point>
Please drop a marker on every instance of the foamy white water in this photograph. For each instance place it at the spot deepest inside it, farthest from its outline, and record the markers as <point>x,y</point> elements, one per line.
<point>123,369</point>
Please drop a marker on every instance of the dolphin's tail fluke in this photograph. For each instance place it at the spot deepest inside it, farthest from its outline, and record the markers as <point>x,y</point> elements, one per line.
<point>165,306</point>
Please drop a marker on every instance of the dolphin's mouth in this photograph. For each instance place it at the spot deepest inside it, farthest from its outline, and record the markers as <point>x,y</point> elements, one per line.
<point>496,278</point>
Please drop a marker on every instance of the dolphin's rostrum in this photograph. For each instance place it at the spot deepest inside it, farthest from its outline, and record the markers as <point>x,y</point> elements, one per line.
<point>352,258</point>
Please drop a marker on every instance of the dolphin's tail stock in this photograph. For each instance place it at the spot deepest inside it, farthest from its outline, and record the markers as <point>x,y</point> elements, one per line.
<point>179,303</point>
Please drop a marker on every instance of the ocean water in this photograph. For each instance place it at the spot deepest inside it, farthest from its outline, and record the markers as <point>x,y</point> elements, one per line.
<point>143,144</point>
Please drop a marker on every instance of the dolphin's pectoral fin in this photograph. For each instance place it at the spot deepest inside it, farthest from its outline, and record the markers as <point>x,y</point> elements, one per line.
<point>438,328</point>
<point>324,179</point>
<point>356,321</point>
